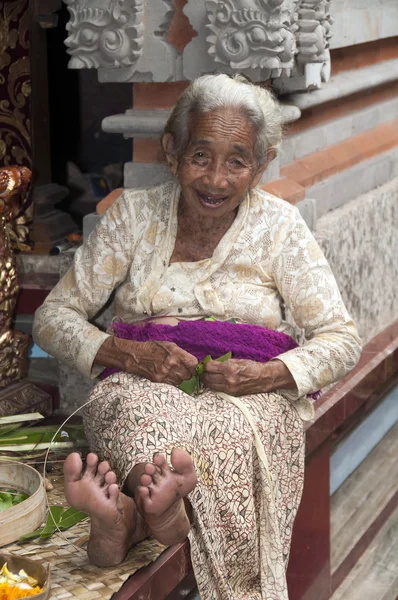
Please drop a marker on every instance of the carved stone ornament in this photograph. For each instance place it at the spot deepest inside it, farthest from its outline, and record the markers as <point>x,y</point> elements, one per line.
<point>251,34</point>
<point>107,33</point>
<point>283,40</point>
<point>127,40</point>
<point>313,57</point>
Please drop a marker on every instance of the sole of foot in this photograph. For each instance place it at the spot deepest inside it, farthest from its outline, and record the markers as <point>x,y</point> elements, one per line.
<point>160,496</point>
<point>115,522</point>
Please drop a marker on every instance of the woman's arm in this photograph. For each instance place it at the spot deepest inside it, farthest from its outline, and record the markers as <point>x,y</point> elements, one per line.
<point>163,362</point>
<point>309,289</point>
<point>61,325</point>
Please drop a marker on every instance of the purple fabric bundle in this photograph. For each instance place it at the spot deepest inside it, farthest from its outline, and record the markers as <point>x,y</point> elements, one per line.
<point>201,338</point>
<point>216,338</point>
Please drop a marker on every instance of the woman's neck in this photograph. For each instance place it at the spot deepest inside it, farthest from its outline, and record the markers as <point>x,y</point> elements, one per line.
<point>200,225</point>
<point>198,236</point>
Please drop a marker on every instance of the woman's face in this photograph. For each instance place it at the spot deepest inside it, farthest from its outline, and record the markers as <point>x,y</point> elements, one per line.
<point>219,166</point>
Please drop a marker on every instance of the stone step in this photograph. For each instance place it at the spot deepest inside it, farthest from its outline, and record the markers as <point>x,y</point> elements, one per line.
<point>359,508</point>
<point>375,576</point>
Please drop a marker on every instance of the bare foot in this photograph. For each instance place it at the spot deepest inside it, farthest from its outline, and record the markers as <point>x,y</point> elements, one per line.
<point>115,523</point>
<point>160,497</point>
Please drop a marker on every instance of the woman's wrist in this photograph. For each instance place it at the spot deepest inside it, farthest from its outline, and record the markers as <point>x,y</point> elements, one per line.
<point>116,353</point>
<point>277,376</point>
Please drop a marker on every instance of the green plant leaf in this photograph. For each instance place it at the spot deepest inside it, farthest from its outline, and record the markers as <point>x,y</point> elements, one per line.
<point>63,517</point>
<point>70,517</point>
<point>225,357</point>
<point>31,447</point>
<point>54,514</point>
<point>188,386</point>
<point>31,536</point>
<point>18,498</point>
<point>6,429</point>
<point>21,418</point>
<point>5,501</point>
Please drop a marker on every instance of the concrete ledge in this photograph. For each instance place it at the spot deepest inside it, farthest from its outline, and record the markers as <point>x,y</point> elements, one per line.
<point>285,188</point>
<point>320,165</point>
<point>150,123</point>
<point>137,174</point>
<point>345,84</point>
<point>318,137</point>
<point>347,185</point>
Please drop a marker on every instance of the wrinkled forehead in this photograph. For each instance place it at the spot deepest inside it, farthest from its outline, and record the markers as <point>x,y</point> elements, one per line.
<point>223,126</point>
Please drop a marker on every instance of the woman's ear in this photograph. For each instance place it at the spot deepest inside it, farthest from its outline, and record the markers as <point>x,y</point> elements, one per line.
<point>168,149</point>
<point>271,154</point>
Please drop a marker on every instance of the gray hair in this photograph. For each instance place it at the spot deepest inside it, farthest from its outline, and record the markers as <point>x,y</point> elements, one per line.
<point>211,92</point>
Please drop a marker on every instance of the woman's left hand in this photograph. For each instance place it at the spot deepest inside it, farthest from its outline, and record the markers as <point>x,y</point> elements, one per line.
<point>244,377</point>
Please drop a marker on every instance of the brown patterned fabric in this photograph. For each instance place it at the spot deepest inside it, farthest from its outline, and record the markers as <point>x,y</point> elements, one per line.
<point>72,576</point>
<point>240,540</point>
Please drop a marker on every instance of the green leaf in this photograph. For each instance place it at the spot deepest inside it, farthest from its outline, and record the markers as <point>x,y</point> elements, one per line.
<point>29,447</point>
<point>200,367</point>
<point>70,517</point>
<point>63,517</point>
<point>18,498</point>
<point>209,319</point>
<point>5,501</point>
<point>20,418</point>
<point>225,357</point>
<point>188,386</point>
<point>54,514</point>
<point>31,536</point>
<point>6,429</point>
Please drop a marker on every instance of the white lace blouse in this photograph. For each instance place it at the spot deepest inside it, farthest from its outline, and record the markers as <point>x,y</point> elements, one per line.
<point>267,255</point>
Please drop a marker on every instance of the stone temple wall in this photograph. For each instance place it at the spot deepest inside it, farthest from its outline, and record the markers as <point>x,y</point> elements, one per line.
<point>360,241</point>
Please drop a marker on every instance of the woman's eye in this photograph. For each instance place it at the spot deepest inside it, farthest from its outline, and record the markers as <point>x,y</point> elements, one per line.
<point>237,163</point>
<point>199,155</point>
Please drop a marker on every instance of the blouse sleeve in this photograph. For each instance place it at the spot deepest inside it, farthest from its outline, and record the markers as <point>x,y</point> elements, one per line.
<point>61,324</point>
<point>307,285</point>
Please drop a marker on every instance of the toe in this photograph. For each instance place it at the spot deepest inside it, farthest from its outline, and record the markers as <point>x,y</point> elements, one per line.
<point>181,461</point>
<point>161,462</point>
<point>73,467</point>
<point>150,469</point>
<point>110,478</point>
<point>91,465</point>
<point>145,479</point>
<point>114,492</point>
<point>144,493</point>
<point>102,470</point>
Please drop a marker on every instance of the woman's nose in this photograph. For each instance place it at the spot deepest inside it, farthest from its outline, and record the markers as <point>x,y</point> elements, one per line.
<point>215,176</point>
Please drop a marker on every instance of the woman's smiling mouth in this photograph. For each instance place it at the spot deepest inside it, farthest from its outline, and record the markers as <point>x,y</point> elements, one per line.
<point>211,199</point>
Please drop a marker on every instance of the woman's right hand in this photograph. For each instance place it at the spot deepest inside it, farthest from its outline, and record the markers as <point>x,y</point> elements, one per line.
<point>161,362</point>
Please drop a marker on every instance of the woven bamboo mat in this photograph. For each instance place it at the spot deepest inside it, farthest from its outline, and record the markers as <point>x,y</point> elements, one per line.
<point>72,576</point>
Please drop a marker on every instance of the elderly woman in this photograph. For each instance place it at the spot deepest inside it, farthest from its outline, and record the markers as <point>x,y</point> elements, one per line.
<point>224,466</point>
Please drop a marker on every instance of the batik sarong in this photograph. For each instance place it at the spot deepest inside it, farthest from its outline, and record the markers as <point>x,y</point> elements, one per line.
<point>243,515</point>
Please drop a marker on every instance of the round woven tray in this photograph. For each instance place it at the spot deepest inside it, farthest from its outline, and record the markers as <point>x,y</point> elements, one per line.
<point>29,514</point>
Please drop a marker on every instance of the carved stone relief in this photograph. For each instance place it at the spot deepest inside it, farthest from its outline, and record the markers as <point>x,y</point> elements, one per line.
<point>312,65</point>
<point>123,39</point>
<point>127,40</point>
<point>252,34</point>
<point>108,34</point>
<point>283,40</point>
